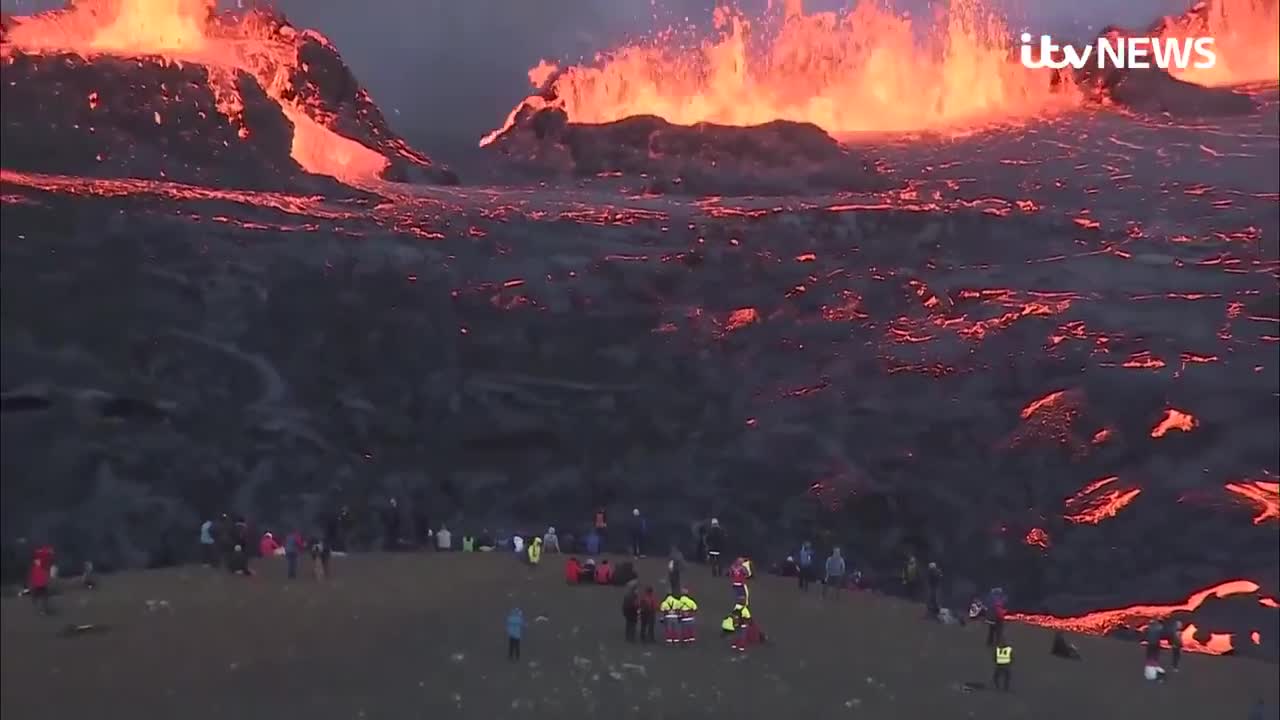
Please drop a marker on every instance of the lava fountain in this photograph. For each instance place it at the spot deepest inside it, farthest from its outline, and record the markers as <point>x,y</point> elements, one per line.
<point>191,31</point>
<point>1246,36</point>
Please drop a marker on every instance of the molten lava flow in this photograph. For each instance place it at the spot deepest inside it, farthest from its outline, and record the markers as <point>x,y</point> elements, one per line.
<point>1091,505</point>
<point>1174,420</point>
<point>1246,36</point>
<point>1037,537</point>
<point>1265,495</point>
<point>1102,622</point>
<point>190,31</point>
<point>860,70</point>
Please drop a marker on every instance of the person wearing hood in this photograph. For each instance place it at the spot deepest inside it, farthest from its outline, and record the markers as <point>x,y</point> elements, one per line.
<point>268,546</point>
<point>639,528</point>
<point>293,545</point>
<point>805,565</point>
<point>630,612</point>
<point>535,552</point>
<point>1155,633</point>
<point>835,570</point>
<point>515,633</point>
<point>444,539</point>
<point>208,546</point>
<point>715,547</point>
<point>572,571</point>
<point>1174,636</point>
<point>648,615</point>
<point>517,544</point>
<point>551,541</point>
<point>675,567</point>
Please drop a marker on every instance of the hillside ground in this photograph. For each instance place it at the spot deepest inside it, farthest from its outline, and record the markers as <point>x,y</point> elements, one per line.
<point>422,636</point>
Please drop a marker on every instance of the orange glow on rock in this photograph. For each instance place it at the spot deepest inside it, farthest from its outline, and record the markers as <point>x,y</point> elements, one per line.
<point>1246,37</point>
<point>1264,495</point>
<point>1174,420</point>
<point>1092,504</point>
<point>190,31</point>
<point>1102,622</point>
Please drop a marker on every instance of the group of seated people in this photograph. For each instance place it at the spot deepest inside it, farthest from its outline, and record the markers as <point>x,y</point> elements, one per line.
<point>603,573</point>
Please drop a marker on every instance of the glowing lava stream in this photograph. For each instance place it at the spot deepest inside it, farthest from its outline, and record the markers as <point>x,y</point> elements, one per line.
<point>1089,506</point>
<point>1264,495</point>
<point>1246,37</point>
<point>1174,420</point>
<point>859,70</point>
<point>1102,622</point>
<point>190,31</point>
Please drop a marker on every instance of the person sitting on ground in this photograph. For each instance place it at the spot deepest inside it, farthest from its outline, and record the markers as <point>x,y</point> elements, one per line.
<point>444,539</point>
<point>587,574</point>
<point>550,541</point>
<point>1063,649</point>
<point>604,573</point>
<point>484,543</point>
<point>238,563</point>
<point>468,543</point>
<point>572,571</point>
<point>789,567</point>
<point>267,546</point>
<point>624,573</point>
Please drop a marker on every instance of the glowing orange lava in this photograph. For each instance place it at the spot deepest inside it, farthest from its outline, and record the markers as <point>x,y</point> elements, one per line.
<point>1102,622</point>
<point>1037,537</point>
<point>191,31</point>
<point>1265,495</point>
<point>863,69</point>
<point>1246,36</point>
<point>1091,505</point>
<point>1174,420</point>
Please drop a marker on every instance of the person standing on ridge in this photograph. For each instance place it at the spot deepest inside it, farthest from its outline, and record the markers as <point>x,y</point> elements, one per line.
<point>293,544</point>
<point>648,614</point>
<point>515,633</point>
<point>601,526</point>
<point>1004,665</point>
<point>688,617</point>
<point>639,529</point>
<point>630,612</point>
<point>933,577</point>
<point>535,552</point>
<point>208,549</point>
<point>675,568</point>
<point>1175,644</point>
<point>835,569</point>
<point>805,564</point>
<point>670,609</point>
<point>715,547</point>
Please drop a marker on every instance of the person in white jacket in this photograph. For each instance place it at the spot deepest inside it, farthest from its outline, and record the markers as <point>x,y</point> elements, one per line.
<point>444,539</point>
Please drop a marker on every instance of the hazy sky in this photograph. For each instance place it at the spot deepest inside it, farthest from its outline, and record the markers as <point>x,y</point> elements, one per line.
<point>446,71</point>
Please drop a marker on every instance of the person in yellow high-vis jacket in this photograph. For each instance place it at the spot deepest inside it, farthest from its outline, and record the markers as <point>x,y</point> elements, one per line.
<point>688,617</point>
<point>1004,665</point>
<point>670,611</point>
<point>535,552</point>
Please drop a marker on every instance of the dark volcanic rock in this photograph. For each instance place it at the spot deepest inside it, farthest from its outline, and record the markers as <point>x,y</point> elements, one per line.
<point>140,118</point>
<point>778,158</point>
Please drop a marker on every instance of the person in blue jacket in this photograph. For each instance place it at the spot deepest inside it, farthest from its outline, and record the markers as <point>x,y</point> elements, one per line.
<point>515,632</point>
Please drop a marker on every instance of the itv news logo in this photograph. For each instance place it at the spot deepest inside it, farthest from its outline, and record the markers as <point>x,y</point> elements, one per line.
<point>1120,52</point>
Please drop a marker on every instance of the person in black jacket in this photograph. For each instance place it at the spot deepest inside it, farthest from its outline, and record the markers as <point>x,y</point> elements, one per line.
<point>630,612</point>
<point>715,548</point>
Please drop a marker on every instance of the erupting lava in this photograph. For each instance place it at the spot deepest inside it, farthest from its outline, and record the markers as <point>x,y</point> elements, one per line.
<point>190,31</point>
<point>1137,616</point>
<point>1246,39</point>
<point>1174,420</point>
<point>860,70</point>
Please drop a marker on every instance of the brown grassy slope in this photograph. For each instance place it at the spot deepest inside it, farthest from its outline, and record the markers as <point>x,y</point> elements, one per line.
<point>411,636</point>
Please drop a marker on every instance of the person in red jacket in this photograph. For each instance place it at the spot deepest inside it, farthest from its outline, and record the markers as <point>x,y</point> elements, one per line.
<point>38,583</point>
<point>604,573</point>
<point>268,545</point>
<point>572,571</point>
<point>648,615</point>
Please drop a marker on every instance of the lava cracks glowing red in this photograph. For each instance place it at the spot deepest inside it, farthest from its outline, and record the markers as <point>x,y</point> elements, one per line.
<point>190,31</point>
<point>1174,420</point>
<point>1098,501</point>
<point>1102,622</point>
<point>1263,495</point>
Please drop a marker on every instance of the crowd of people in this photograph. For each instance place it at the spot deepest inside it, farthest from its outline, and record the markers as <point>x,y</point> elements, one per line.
<point>227,542</point>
